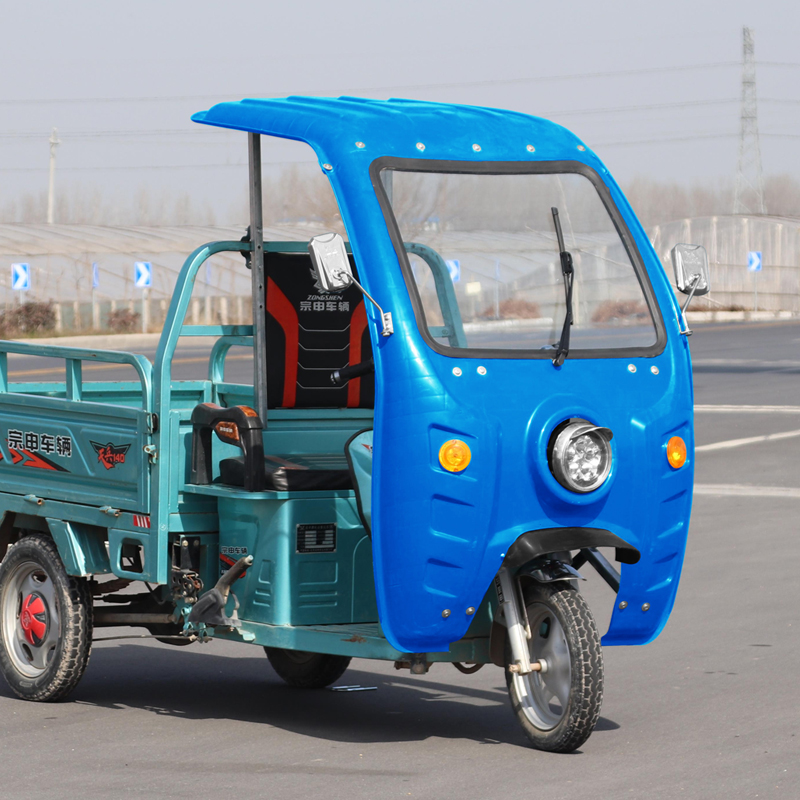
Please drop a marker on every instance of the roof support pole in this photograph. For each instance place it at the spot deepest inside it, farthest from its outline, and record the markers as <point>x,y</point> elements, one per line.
<point>258,278</point>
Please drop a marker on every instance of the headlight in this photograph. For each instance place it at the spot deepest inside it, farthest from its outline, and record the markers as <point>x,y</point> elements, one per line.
<point>580,457</point>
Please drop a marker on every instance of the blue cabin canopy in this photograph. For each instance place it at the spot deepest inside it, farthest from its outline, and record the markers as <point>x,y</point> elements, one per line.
<point>344,127</point>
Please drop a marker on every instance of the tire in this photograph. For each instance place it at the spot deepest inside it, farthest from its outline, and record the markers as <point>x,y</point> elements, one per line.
<point>45,622</point>
<point>558,708</point>
<point>307,670</point>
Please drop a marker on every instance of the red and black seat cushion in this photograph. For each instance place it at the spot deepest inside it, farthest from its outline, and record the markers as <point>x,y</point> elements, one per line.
<point>310,334</point>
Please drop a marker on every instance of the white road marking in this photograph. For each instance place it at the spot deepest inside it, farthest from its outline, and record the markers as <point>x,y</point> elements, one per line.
<point>770,437</point>
<point>731,409</point>
<point>737,490</point>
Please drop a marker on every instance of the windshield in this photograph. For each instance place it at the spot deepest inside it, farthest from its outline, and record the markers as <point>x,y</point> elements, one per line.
<point>485,261</point>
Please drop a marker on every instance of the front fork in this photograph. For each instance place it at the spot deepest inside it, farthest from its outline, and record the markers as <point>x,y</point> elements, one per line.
<point>512,607</point>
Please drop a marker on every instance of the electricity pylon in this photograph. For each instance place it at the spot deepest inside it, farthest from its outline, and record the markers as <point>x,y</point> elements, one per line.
<point>749,192</point>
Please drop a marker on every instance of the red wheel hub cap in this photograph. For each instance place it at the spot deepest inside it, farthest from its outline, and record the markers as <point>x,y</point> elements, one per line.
<point>33,618</point>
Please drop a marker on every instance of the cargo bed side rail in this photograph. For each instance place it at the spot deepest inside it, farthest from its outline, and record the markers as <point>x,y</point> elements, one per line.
<point>74,357</point>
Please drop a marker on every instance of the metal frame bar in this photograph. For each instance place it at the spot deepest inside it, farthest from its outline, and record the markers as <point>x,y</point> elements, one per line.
<point>508,598</point>
<point>73,357</point>
<point>605,569</point>
<point>173,330</point>
<point>258,278</point>
<point>445,292</point>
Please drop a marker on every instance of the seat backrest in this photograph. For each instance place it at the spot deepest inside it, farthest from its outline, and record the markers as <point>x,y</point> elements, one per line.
<point>310,334</point>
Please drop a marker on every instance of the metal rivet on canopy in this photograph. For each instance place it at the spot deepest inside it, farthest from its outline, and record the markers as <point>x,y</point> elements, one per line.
<point>530,148</point>
<point>476,148</point>
<point>327,167</point>
<point>581,147</point>
<point>360,145</point>
<point>420,146</point>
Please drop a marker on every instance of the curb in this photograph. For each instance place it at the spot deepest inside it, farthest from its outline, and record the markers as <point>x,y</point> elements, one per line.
<point>737,316</point>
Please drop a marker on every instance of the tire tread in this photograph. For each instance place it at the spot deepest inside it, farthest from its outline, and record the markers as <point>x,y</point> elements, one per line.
<point>76,626</point>
<point>586,696</point>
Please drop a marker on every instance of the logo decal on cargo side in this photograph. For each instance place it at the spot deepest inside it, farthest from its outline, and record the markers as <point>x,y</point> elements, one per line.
<point>109,455</point>
<point>26,447</point>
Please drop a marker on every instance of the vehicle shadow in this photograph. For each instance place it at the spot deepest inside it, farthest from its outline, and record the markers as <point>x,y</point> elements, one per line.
<point>201,685</point>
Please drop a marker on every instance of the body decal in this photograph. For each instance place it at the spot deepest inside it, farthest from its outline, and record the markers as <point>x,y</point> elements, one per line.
<point>110,455</point>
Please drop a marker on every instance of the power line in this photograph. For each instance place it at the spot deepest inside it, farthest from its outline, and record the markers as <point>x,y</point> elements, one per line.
<point>132,167</point>
<point>652,107</point>
<point>454,85</point>
<point>136,134</point>
<point>237,165</point>
<point>779,101</point>
<point>665,139</point>
<point>95,134</point>
<point>152,166</point>
<point>668,139</point>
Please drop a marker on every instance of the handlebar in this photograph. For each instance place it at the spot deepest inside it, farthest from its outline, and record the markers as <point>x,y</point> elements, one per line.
<point>341,376</point>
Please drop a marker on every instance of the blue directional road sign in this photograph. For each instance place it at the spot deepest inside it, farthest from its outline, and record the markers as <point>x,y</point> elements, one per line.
<point>21,276</point>
<point>754,261</point>
<point>454,268</point>
<point>142,274</point>
<point>95,275</point>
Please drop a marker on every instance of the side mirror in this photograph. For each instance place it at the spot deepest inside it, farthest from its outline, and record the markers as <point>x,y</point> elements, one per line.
<point>690,262</point>
<point>330,262</point>
<point>333,273</point>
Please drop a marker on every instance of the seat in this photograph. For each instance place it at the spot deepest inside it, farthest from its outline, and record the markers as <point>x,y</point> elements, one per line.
<point>310,334</point>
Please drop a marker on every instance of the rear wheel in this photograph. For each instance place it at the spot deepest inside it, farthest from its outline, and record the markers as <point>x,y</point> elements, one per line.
<point>45,622</point>
<point>307,670</point>
<point>559,706</point>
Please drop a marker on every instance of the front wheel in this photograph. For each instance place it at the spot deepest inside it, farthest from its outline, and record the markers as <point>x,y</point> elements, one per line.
<point>559,706</point>
<point>307,670</point>
<point>45,622</point>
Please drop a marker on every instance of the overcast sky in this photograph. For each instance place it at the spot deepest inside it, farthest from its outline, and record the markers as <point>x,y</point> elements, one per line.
<point>138,70</point>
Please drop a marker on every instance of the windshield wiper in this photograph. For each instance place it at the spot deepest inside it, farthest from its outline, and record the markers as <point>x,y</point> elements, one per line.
<point>568,272</point>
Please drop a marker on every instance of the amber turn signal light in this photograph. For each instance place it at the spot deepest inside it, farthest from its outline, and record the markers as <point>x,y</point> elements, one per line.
<point>454,455</point>
<point>676,452</point>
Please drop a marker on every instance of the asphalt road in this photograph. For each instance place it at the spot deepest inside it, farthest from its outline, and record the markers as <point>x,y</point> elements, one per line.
<point>709,710</point>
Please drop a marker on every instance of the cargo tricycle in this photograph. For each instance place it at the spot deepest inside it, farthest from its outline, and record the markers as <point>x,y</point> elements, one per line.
<point>473,389</point>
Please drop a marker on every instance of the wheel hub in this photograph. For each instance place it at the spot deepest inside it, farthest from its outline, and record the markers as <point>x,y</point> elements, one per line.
<point>33,619</point>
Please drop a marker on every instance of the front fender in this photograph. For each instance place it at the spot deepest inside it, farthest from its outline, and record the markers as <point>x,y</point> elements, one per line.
<point>552,540</point>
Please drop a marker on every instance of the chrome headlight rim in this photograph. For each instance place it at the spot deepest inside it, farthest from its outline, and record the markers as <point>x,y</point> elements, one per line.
<point>565,433</point>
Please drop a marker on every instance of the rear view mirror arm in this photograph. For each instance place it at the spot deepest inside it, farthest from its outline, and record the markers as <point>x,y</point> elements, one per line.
<point>695,282</point>
<point>386,316</point>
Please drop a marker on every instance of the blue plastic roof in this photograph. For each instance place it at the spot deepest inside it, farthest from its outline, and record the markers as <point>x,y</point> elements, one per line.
<point>332,126</point>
